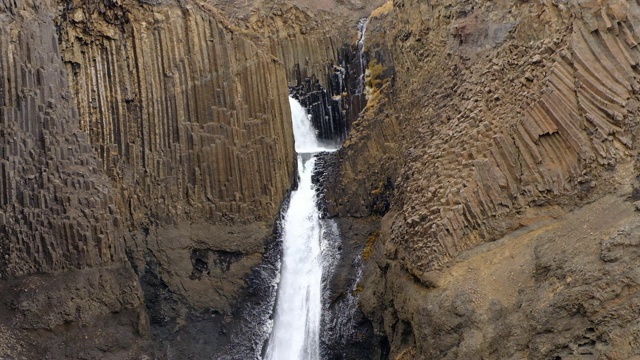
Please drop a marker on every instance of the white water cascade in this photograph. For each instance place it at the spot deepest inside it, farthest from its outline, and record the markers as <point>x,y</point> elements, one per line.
<point>362,32</point>
<point>296,327</point>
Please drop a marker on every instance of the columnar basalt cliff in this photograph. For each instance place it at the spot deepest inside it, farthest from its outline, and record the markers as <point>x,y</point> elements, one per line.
<point>300,40</point>
<point>511,114</point>
<point>191,120</point>
<point>322,68</point>
<point>179,104</point>
<point>57,210</point>
<point>147,148</point>
<point>48,162</point>
<point>156,137</point>
<point>487,188</point>
<point>550,118</point>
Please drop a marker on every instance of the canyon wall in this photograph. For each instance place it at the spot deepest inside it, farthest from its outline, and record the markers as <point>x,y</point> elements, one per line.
<point>509,115</point>
<point>63,263</point>
<point>300,40</point>
<point>488,185</point>
<point>147,148</point>
<point>551,117</point>
<point>192,122</point>
<point>181,107</point>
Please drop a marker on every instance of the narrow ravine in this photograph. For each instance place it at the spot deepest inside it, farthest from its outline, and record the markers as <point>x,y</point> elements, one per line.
<point>296,328</point>
<point>299,302</point>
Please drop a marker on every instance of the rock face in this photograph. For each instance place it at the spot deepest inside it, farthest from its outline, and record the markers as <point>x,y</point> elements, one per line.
<point>49,171</point>
<point>146,151</point>
<point>507,114</point>
<point>147,148</point>
<point>192,123</point>
<point>549,291</point>
<point>57,213</point>
<point>549,117</point>
<point>322,68</point>
<point>177,103</point>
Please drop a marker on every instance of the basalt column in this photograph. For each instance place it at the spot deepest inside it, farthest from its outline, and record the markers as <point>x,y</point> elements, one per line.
<point>62,259</point>
<point>192,122</point>
<point>324,64</point>
<point>136,135</point>
<point>335,101</point>
<point>176,102</point>
<point>508,115</point>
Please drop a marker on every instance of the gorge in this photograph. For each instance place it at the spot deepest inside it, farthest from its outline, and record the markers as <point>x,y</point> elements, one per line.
<point>296,328</point>
<point>484,183</point>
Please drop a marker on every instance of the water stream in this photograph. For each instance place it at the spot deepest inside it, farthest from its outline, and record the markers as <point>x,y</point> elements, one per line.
<point>362,32</point>
<point>308,249</point>
<point>296,327</point>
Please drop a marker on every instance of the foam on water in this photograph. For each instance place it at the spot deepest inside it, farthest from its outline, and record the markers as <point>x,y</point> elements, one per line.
<point>296,327</point>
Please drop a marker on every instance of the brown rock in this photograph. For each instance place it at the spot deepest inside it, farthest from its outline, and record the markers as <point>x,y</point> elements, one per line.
<point>470,165</point>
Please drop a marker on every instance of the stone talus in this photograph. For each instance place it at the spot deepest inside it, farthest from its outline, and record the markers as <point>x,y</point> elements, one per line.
<point>193,115</point>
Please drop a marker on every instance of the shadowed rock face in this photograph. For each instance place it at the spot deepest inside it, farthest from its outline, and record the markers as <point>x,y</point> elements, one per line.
<point>507,114</point>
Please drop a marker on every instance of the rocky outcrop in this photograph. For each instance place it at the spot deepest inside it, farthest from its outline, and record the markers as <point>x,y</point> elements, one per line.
<point>294,37</point>
<point>308,36</point>
<point>358,190</point>
<point>192,122</point>
<point>317,43</point>
<point>147,150</point>
<point>57,210</point>
<point>508,114</point>
<point>548,291</point>
<point>548,120</point>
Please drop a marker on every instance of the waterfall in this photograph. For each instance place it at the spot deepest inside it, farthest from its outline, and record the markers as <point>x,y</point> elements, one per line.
<point>296,326</point>
<point>305,135</point>
<point>362,31</point>
<point>311,246</point>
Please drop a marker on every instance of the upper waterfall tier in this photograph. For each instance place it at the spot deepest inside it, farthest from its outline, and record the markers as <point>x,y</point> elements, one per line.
<point>306,137</point>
